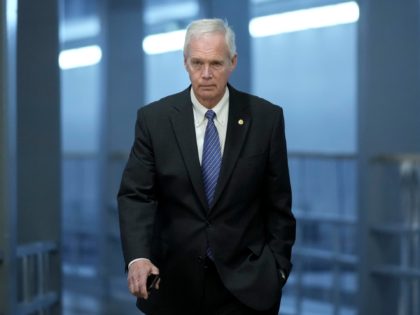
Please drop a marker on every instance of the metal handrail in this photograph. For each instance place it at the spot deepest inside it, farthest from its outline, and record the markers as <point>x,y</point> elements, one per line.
<point>36,248</point>
<point>317,216</point>
<point>44,297</point>
<point>397,158</point>
<point>39,303</point>
<point>327,255</point>
<point>396,271</point>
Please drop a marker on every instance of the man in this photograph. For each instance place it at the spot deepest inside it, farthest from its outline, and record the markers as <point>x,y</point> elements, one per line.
<point>205,199</point>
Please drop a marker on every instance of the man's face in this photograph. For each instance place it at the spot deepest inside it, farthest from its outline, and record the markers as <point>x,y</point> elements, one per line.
<point>209,67</point>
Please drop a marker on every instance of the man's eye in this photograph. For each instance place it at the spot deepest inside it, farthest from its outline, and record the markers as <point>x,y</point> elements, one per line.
<point>217,65</point>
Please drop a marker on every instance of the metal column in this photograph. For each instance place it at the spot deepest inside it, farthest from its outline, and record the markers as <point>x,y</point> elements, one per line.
<point>8,288</point>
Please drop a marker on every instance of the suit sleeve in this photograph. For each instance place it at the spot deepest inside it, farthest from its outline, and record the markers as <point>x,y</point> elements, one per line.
<point>281,224</point>
<point>136,197</point>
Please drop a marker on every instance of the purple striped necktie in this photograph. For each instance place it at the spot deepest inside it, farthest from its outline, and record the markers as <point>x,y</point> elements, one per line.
<point>210,165</point>
<point>212,158</point>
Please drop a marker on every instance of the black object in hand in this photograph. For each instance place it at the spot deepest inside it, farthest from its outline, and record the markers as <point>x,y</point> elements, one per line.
<point>151,281</point>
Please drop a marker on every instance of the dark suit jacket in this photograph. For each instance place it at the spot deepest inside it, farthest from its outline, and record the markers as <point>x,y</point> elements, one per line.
<point>164,214</point>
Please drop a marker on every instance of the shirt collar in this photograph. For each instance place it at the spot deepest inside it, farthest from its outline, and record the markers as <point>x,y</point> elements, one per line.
<point>220,109</point>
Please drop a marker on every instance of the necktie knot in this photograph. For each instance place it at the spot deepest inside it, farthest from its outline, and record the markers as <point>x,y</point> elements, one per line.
<point>210,115</point>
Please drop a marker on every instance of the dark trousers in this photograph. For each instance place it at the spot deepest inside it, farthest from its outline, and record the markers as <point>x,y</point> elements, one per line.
<point>217,300</point>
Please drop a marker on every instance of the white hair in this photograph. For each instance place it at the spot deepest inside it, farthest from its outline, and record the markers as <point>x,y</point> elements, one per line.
<point>200,27</point>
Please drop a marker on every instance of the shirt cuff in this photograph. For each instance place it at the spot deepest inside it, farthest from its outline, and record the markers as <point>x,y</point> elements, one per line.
<point>137,259</point>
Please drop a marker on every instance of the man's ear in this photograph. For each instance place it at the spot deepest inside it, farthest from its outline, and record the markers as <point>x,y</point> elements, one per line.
<point>185,63</point>
<point>234,61</point>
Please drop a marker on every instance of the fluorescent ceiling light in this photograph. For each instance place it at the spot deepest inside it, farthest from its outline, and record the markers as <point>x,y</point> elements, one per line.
<point>293,21</point>
<point>80,57</point>
<point>164,42</point>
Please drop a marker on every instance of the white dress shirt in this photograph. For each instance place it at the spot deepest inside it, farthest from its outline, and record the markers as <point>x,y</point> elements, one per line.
<point>220,121</point>
<point>200,122</point>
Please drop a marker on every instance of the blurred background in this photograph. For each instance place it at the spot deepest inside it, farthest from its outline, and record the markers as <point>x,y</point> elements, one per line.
<point>74,72</point>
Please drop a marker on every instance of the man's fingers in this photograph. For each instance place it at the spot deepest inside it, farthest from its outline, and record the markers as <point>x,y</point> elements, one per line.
<point>137,277</point>
<point>157,284</point>
<point>154,270</point>
<point>137,286</point>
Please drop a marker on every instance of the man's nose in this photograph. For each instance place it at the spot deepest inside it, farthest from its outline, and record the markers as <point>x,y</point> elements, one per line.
<point>207,73</point>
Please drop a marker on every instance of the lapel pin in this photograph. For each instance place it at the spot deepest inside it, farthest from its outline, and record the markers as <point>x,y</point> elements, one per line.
<point>241,122</point>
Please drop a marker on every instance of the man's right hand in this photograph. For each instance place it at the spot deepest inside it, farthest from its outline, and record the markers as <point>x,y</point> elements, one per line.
<point>137,277</point>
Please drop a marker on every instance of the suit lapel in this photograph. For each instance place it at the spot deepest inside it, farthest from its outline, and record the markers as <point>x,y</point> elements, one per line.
<point>239,121</point>
<point>182,119</point>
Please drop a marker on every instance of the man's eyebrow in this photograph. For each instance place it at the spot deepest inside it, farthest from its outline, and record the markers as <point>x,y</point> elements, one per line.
<point>208,60</point>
